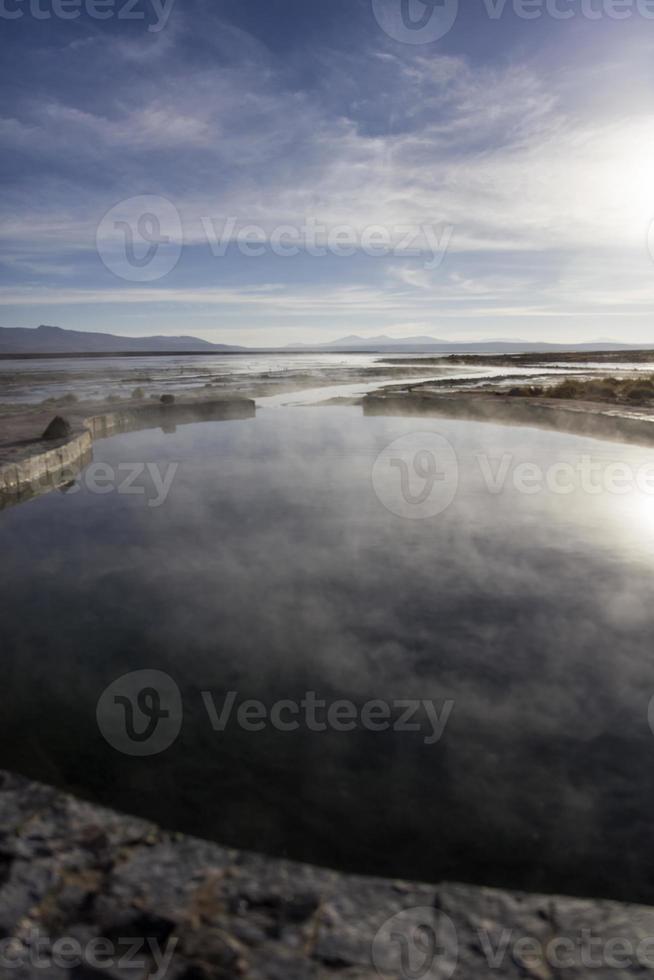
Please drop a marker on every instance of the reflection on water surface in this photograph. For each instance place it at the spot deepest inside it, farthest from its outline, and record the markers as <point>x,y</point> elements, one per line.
<point>272,569</point>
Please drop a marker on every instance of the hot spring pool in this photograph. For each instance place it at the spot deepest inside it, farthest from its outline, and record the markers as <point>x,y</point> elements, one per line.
<point>272,570</point>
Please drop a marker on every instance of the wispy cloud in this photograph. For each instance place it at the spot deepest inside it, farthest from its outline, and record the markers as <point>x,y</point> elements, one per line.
<point>516,161</point>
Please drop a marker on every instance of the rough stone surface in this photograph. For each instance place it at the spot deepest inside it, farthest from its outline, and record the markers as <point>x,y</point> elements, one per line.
<point>114,893</point>
<point>44,469</point>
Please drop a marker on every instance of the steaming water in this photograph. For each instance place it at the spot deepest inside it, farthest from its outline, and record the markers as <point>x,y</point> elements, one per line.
<point>272,569</point>
<point>34,380</point>
<point>39,378</point>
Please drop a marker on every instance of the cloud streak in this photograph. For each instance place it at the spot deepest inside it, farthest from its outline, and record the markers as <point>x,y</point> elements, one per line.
<point>514,161</point>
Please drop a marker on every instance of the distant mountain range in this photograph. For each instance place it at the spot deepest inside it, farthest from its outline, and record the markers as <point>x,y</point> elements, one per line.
<point>354,341</point>
<point>437,345</point>
<point>46,340</point>
<point>56,340</point>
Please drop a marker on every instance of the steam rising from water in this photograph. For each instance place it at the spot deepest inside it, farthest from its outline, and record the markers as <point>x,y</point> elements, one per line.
<point>273,569</point>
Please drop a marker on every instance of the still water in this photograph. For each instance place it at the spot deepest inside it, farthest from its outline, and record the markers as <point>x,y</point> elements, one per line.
<point>273,569</point>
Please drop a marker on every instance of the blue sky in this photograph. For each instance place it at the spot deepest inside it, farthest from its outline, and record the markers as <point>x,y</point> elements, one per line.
<point>494,180</point>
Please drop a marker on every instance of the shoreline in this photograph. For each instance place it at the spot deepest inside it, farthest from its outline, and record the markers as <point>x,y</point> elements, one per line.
<point>537,358</point>
<point>246,352</point>
<point>74,871</point>
<point>31,465</point>
<point>599,420</point>
<point>461,355</point>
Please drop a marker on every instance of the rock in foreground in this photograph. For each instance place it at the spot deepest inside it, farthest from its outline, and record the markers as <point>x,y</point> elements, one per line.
<point>59,428</point>
<point>86,893</point>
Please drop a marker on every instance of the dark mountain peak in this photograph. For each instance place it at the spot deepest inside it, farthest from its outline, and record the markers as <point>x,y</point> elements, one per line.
<point>47,339</point>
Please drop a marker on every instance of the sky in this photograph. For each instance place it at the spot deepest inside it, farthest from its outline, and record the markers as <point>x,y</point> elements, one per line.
<point>283,171</point>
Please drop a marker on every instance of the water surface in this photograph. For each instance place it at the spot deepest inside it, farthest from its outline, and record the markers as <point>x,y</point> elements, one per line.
<point>273,569</point>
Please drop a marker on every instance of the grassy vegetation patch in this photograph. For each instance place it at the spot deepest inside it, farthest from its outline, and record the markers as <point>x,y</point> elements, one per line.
<point>619,391</point>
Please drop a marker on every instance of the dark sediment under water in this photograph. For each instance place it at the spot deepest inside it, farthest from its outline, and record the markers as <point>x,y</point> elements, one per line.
<point>272,569</point>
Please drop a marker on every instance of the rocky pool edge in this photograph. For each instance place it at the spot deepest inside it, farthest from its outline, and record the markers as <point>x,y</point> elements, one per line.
<point>32,465</point>
<point>75,876</point>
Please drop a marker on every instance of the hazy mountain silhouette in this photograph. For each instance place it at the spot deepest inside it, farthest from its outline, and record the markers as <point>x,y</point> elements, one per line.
<point>57,340</point>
